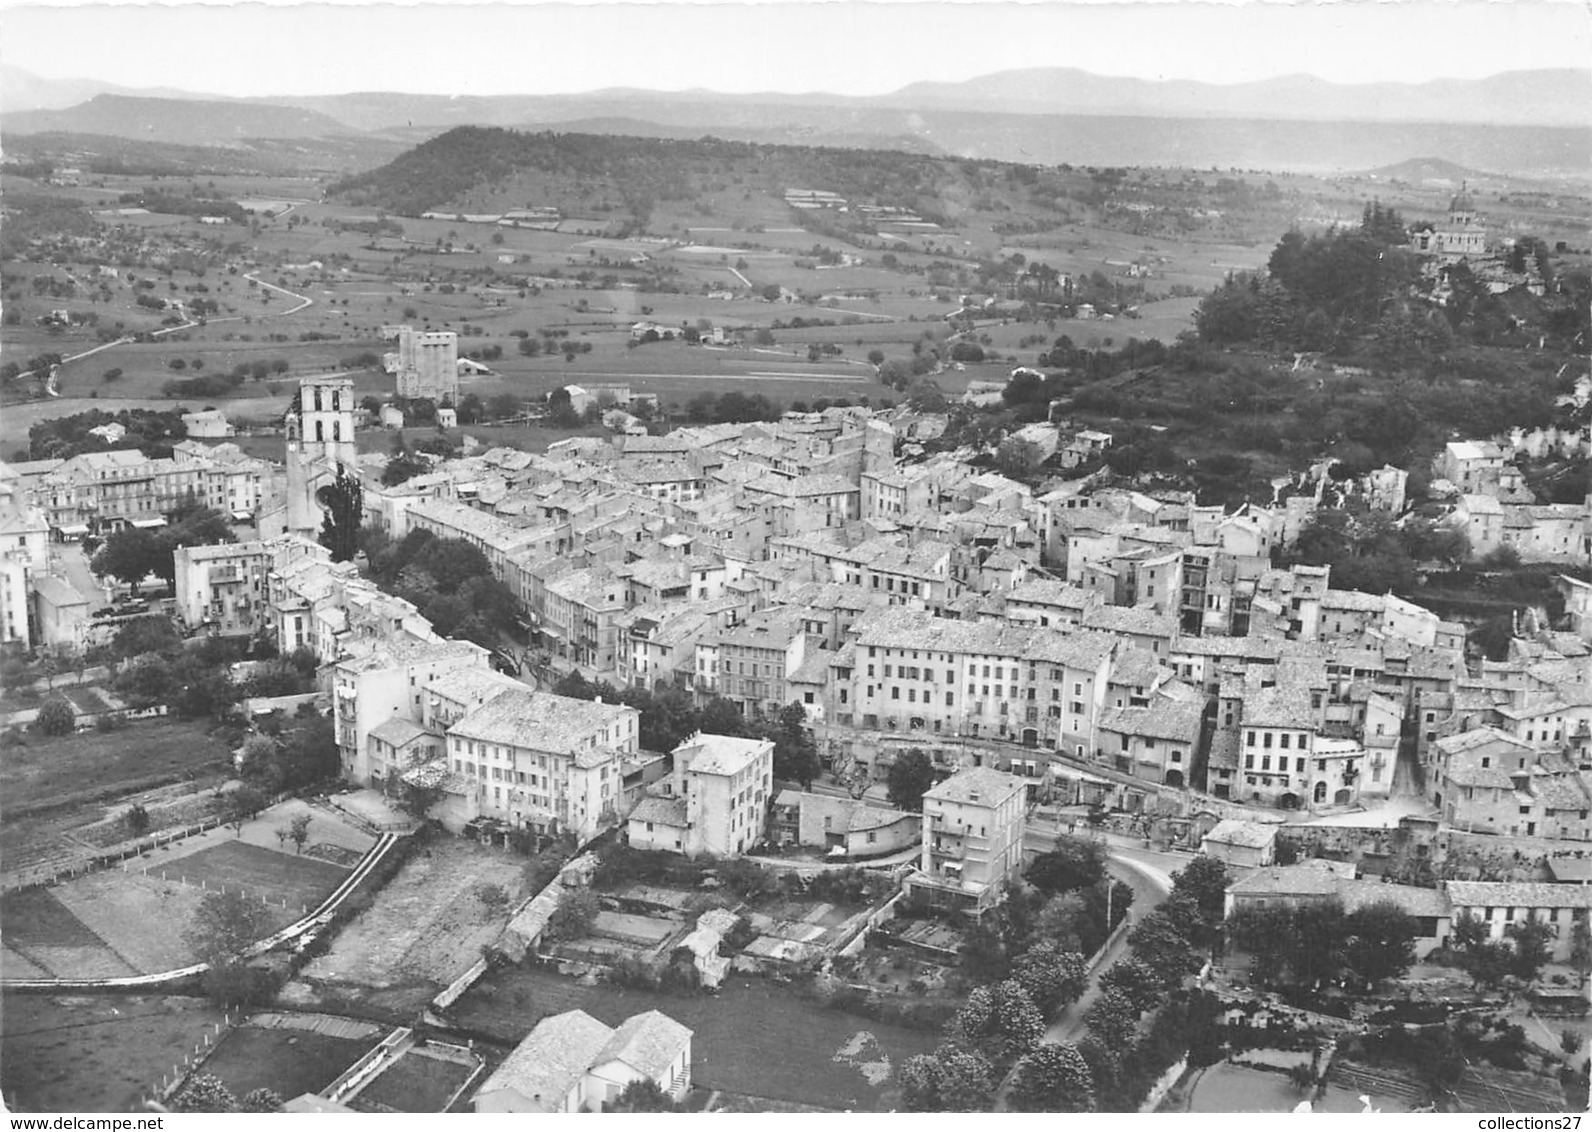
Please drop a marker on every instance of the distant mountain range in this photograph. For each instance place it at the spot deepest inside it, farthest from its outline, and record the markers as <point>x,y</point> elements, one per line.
<point>1535,123</point>
<point>1528,98</point>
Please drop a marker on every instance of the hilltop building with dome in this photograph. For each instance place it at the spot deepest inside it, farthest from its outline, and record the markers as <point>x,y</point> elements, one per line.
<point>1464,236</point>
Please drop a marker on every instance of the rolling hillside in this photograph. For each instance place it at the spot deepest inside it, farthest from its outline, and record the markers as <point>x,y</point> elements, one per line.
<point>180,121</point>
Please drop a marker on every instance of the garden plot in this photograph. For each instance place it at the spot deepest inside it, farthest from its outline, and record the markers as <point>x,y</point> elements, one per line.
<point>426,1078</point>
<point>645,932</point>
<point>428,923</point>
<point>289,1061</point>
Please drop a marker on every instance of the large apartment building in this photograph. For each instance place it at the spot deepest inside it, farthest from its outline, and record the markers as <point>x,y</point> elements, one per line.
<point>544,762</point>
<point>981,678</point>
<point>714,802</point>
<point>389,681</point>
<point>973,825</point>
<point>224,589</point>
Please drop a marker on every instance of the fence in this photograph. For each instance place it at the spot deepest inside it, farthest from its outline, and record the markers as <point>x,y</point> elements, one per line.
<point>163,1090</point>
<point>53,873</point>
<point>204,886</point>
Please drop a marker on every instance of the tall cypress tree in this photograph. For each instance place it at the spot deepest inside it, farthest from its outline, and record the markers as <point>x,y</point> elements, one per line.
<point>344,502</point>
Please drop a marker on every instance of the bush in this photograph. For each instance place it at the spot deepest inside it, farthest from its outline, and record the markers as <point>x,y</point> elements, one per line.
<point>56,717</point>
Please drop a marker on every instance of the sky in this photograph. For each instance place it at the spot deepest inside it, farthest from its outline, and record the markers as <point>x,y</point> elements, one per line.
<point>840,46</point>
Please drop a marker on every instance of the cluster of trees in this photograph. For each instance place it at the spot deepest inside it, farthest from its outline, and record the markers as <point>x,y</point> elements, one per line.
<point>290,756</point>
<point>159,200</point>
<point>133,554</point>
<point>206,385</point>
<point>209,1093</point>
<point>1520,955</point>
<point>671,715</point>
<point>192,680</point>
<point>34,217</point>
<point>1125,1057</point>
<point>448,580</point>
<point>1315,944</point>
<point>1029,955</point>
<point>151,432</point>
<point>733,407</point>
<point>1368,551</point>
<point>999,1024</point>
<point>1319,291</point>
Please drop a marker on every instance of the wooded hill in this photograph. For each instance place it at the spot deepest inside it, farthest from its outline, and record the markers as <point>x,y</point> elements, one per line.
<point>584,171</point>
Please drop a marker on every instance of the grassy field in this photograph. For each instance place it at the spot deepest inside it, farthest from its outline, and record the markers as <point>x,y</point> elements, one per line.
<point>91,1053</point>
<point>290,1062</point>
<point>71,769</point>
<point>753,1037</point>
<point>264,873</point>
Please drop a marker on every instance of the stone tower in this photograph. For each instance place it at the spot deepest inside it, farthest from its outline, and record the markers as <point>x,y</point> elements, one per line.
<point>320,439</point>
<point>428,364</point>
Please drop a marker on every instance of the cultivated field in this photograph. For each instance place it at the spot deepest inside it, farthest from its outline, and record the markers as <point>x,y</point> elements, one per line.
<point>60,797</point>
<point>71,769</point>
<point>91,1053</point>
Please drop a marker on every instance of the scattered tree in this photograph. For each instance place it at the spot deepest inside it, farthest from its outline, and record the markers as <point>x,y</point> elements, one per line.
<point>299,831</point>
